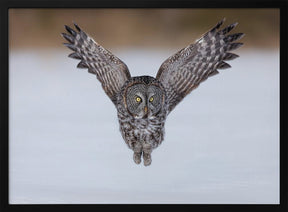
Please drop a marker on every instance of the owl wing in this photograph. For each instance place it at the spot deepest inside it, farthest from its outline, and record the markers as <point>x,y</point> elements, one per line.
<point>185,70</point>
<point>110,70</point>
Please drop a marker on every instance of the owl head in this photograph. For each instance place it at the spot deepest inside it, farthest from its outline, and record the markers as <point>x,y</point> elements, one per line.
<point>144,97</point>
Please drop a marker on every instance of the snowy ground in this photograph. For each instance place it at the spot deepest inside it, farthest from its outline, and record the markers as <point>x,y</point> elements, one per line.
<point>221,143</point>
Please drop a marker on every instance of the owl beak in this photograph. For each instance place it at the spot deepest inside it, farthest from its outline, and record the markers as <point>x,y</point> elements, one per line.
<point>145,112</point>
<point>145,109</point>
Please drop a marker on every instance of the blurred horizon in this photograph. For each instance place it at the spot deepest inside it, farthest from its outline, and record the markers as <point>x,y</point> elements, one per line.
<point>126,28</point>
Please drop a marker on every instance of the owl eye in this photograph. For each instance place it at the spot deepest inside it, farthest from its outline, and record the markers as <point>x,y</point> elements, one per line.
<point>138,99</point>
<point>151,99</point>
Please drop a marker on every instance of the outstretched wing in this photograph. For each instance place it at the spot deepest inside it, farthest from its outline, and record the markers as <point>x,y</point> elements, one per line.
<point>185,70</point>
<point>110,70</point>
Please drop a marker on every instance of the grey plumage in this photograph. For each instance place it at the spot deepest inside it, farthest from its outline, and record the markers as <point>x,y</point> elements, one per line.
<point>185,70</point>
<point>110,70</point>
<point>144,102</point>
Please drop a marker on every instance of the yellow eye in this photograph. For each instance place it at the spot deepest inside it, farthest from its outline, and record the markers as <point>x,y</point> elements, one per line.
<point>151,99</point>
<point>138,99</point>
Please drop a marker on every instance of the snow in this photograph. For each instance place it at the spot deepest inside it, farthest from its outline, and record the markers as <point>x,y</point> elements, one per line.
<point>221,144</point>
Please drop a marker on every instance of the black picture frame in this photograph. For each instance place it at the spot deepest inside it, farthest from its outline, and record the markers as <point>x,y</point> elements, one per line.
<point>4,77</point>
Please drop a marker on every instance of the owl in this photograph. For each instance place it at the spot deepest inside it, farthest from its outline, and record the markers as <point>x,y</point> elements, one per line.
<point>144,102</point>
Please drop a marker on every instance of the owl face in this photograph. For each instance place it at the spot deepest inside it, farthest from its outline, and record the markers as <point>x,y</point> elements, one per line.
<point>144,101</point>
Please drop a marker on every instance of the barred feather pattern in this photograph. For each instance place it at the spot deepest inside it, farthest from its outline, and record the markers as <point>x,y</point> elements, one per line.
<point>185,70</point>
<point>110,70</point>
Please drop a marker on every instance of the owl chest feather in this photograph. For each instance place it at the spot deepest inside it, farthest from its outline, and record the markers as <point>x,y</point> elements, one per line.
<point>142,130</point>
<point>145,126</point>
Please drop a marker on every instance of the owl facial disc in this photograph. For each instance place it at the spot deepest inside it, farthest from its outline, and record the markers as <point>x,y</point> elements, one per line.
<point>143,101</point>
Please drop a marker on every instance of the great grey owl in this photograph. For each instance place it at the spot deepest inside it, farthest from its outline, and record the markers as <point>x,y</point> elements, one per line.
<point>144,102</point>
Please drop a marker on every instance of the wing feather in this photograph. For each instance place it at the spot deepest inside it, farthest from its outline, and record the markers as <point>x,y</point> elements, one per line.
<point>110,70</point>
<point>185,70</point>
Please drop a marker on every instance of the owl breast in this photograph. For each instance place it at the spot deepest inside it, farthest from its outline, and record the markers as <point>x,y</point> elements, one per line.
<point>143,131</point>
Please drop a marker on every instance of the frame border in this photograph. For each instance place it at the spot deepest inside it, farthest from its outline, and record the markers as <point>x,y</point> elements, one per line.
<point>4,77</point>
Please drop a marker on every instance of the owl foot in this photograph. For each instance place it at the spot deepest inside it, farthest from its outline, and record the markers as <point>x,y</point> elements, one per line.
<point>137,157</point>
<point>147,159</point>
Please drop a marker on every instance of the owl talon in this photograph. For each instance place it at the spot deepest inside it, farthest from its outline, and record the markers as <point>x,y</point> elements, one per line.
<point>147,159</point>
<point>137,157</point>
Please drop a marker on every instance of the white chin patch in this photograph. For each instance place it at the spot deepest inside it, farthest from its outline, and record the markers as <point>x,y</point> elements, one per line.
<point>138,116</point>
<point>151,117</point>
